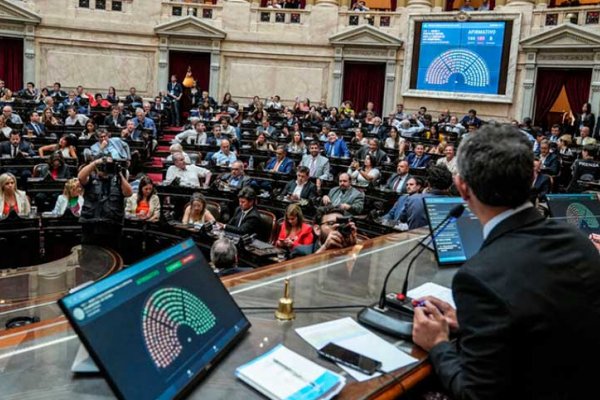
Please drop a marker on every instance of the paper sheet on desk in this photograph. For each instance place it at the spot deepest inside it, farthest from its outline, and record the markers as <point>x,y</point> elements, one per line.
<point>435,290</point>
<point>348,333</point>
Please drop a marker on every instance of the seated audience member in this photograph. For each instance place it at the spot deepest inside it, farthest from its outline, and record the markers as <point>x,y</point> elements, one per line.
<point>550,163</point>
<point>294,231</point>
<point>70,101</point>
<point>49,103</point>
<point>398,180</point>
<point>586,168</point>
<point>142,122</point>
<point>196,211</point>
<point>12,199</point>
<point>176,148</point>
<point>345,196</point>
<point>359,138</point>
<point>467,6</point>
<point>186,175</point>
<point>584,137</point>
<point>533,283</point>
<point>7,97</point>
<point>301,187</point>
<point>225,156</point>
<point>318,165</point>
<point>224,258</point>
<point>453,128</point>
<point>35,126</point>
<point>564,145</point>
<point>217,137</point>
<point>541,183</point>
<point>336,147</point>
<point>51,123</point>
<point>408,131</point>
<point>359,6</point>
<point>195,136</point>
<point>418,159</point>
<point>15,147</point>
<point>4,130</point>
<point>326,233</point>
<point>89,132</point>
<point>393,140</point>
<point>439,180</point>
<point>57,168</point>
<point>129,131</point>
<point>236,179</point>
<point>449,159</point>
<point>65,145</point>
<point>74,119</point>
<point>377,155</point>
<point>106,146</point>
<point>57,92</point>
<point>133,99</point>
<point>227,130</point>
<point>11,117</point>
<point>115,119</point>
<point>144,204</point>
<point>471,119</point>
<point>71,198</point>
<point>112,96</point>
<point>274,103</point>
<point>413,186</point>
<point>266,128</point>
<point>280,163</point>
<point>246,219</point>
<point>365,174</point>
<point>296,144</point>
<point>262,144</point>
<point>555,133</point>
<point>378,129</point>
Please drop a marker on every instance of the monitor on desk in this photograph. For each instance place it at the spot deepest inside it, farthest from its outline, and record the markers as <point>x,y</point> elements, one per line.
<point>460,239</point>
<point>158,326</point>
<point>579,209</point>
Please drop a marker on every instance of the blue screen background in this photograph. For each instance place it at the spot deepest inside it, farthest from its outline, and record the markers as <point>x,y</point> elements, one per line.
<point>460,57</point>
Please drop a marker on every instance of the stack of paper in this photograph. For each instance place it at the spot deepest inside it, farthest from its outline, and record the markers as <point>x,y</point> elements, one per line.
<point>282,374</point>
<point>433,289</point>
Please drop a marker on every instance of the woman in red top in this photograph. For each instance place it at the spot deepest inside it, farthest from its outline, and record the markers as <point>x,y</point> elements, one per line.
<point>294,231</point>
<point>12,199</point>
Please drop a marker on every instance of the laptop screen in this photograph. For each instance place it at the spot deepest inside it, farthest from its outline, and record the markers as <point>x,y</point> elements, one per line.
<point>157,326</point>
<point>460,239</point>
<point>581,210</point>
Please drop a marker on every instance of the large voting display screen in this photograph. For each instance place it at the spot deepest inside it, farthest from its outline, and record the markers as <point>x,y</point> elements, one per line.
<point>461,57</point>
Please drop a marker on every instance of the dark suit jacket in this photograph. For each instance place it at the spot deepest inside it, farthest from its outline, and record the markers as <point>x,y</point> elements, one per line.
<point>309,191</point>
<point>380,155</point>
<point>25,147</point>
<point>110,121</point>
<point>541,187</point>
<point>422,163</point>
<point>252,222</point>
<point>551,165</point>
<point>391,182</point>
<point>528,324</point>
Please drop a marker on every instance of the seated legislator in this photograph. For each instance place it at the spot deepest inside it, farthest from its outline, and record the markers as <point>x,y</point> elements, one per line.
<point>224,258</point>
<point>280,163</point>
<point>12,199</point>
<point>365,174</point>
<point>345,196</point>
<point>318,165</point>
<point>541,183</point>
<point>89,132</point>
<point>549,161</point>
<point>336,147</point>
<point>533,284</point>
<point>294,232</point>
<point>301,187</point>
<point>262,144</point>
<point>15,147</point>
<point>57,168</point>
<point>373,150</point>
<point>196,212</point>
<point>65,146</point>
<point>398,180</point>
<point>71,198</point>
<point>449,161</point>
<point>35,126</point>
<point>115,119</point>
<point>144,204</point>
<point>188,175</point>
<point>414,185</point>
<point>439,180</point>
<point>246,218</point>
<point>217,136</point>
<point>195,136</point>
<point>141,122</point>
<point>326,233</point>
<point>236,179</point>
<point>418,159</point>
<point>75,119</point>
<point>177,148</point>
<point>407,131</point>
<point>106,146</point>
<point>296,144</point>
<point>224,156</point>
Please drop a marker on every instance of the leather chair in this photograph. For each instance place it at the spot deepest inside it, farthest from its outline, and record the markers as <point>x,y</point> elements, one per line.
<point>214,208</point>
<point>270,227</point>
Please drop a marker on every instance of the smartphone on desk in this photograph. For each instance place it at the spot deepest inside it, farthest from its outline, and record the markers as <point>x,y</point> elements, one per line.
<point>349,358</point>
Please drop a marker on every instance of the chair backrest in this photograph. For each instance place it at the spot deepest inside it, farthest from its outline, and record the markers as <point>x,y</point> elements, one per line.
<point>269,227</point>
<point>214,208</point>
<point>40,170</point>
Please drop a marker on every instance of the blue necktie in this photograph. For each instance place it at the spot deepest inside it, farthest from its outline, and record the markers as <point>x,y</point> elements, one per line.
<point>415,162</point>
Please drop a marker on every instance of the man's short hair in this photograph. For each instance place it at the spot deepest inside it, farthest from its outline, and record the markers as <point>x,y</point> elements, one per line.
<point>223,254</point>
<point>326,210</point>
<point>439,177</point>
<point>315,143</point>
<point>303,169</point>
<point>247,193</point>
<point>497,164</point>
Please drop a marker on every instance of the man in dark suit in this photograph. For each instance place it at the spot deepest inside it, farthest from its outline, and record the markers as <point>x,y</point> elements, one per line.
<point>397,181</point>
<point>115,119</point>
<point>541,183</point>
<point>418,159</point>
<point>35,126</point>
<point>175,91</point>
<point>523,301</point>
<point>301,187</point>
<point>246,218</point>
<point>236,179</point>
<point>378,155</point>
<point>550,162</point>
<point>15,147</point>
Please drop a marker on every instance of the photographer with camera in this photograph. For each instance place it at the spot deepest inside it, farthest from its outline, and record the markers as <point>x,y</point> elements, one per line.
<point>333,229</point>
<point>105,189</point>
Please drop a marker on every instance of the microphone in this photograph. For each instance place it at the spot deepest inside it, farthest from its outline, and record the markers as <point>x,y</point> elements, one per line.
<point>398,322</point>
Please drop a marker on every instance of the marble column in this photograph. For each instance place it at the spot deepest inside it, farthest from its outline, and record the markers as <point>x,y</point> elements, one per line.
<point>528,86</point>
<point>541,4</point>
<point>390,84</point>
<point>331,3</point>
<point>345,3</point>
<point>419,4</point>
<point>162,77</point>
<point>513,3</point>
<point>338,72</point>
<point>215,69</point>
<point>595,94</point>
<point>29,54</point>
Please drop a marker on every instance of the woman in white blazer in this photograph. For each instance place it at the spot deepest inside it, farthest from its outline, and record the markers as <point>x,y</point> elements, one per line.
<point>144,204</point>
<point>71,198</point>
<point>12,199</point>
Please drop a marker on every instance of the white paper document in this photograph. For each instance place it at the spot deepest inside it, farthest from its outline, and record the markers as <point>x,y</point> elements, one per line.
<point>349,334</point>
<point>433,289</point>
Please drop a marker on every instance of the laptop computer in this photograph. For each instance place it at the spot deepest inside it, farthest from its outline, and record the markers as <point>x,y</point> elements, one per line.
<point>579,209</point>
<point>460,239</point>
<point>157,327</point>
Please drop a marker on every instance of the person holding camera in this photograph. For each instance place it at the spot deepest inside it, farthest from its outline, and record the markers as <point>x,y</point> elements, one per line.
<point>105,189</point>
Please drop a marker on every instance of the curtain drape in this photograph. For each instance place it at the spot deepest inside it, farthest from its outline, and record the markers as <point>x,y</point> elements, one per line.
<point>11,63</point>
<point>200,63</point>
<point>577,86</point>
<point>364,82</point>
<point>548,87</point>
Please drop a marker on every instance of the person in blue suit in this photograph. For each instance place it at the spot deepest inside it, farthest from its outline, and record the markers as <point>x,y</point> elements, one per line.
<point>336,147</point>
<point>418,159</point>
<point>280,163</point>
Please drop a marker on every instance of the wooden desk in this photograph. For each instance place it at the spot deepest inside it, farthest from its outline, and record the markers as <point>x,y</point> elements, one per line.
<point>37,364</point>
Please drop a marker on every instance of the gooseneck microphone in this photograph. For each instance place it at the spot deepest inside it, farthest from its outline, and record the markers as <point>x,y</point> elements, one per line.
<point>399,322</point>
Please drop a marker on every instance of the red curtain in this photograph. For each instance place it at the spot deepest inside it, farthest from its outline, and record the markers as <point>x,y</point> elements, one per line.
<point>364,82</point>
<point>179,62</point>
<point>11,63</point>
<point>548,87</point>
<point>577,86</point>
